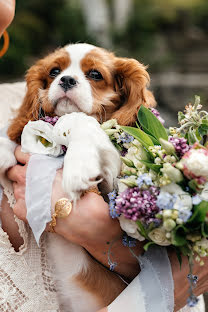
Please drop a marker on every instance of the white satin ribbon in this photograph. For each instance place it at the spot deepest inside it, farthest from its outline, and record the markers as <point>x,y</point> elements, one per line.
<point>153,289</point>
<point>40,175</point>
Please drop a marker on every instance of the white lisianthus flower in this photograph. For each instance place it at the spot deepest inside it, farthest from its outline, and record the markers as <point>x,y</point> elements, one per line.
<point>37,137</point>
<point>131,228</point>
<point>183,201</point>
<point>195,163</point>
<point>158,236</point>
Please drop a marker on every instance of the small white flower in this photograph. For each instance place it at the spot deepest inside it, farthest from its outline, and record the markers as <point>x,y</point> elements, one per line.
<point>158,236</point>
<point>130,227</point>
<point>38,137</point>
<point>203,243</point>
<point>109,124</point>
<point>173,173</point>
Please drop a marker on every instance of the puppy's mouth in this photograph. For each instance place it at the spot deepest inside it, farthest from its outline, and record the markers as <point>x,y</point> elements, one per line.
<point>65,105</point>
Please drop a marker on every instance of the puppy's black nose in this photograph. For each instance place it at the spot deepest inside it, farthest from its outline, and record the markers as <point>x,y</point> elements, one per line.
<point>67,82</point>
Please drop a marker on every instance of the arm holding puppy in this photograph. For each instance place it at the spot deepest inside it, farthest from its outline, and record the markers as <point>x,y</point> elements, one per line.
<point>90,226</point>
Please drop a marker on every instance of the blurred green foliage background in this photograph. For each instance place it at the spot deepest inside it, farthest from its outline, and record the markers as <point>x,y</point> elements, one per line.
<point>157,33</point>
<point>171,36</point>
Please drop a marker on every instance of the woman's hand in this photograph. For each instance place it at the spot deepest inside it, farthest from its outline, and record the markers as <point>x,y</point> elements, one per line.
<point>7,10</point>
<point>88,224</point>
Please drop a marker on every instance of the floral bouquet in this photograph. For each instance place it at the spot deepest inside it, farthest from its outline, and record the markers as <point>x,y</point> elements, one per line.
<point>162,193</point>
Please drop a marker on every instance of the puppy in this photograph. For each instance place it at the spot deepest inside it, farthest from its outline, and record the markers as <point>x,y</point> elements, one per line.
<point>77,79</point>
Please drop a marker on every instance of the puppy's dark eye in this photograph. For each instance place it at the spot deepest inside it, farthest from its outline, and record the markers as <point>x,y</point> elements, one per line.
<point>54,72</point>
<point>95,75</point>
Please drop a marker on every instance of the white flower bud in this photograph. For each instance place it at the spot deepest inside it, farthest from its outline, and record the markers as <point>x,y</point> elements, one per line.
<point>169,225</point>
<point>167,146</point>
<point>109,124</point>
<point>128,162</point>
<point>173,173</point>
<point>110,131</point>
<point>167,213</point>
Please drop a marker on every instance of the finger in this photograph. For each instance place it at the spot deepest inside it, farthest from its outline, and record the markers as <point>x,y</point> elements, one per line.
<point>17,174</point>
<point>20,210</point>
<point>19,191</point>
<point>21,157</point>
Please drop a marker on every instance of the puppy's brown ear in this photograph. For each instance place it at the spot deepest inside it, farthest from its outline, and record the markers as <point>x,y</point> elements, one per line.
<point>29,109</point>
<point>131,82</point>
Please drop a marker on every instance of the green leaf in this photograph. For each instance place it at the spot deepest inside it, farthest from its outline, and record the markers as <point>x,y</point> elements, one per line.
<point>140,135</point>
<point>152,166</point>
<point>142,230</point>
<point>146,246</point>
<point>203,129</point>
<point>178,254</point>
<point>179,236</point>
<point>204,229</point>
<point>185,250</point>
<point>193,185</point>
<point>192,136</point>
<point>154,140</point>
<point>150,123</point>
<point>199,214</point>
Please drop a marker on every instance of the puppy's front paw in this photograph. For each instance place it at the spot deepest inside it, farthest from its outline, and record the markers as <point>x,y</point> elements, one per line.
<point>79,175</point>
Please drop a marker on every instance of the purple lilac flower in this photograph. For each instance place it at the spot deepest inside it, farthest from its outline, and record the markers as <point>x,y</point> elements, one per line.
<point>157,114</point>
<point>180,144</point>
<point>128,241</point>
<point>144,179</point>
<point>51,120</point>
<point>136,204</point>
<point>166,201</point>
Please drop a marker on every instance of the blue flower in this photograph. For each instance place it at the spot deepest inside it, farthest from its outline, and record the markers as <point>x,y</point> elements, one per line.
<point>196,199</point>
<point>112,210</point>
<point>112,266</point>
<point>128,241</point>
<point>166,201</point>
<point>125,138</point>
<point>112,195</point>
<point>144,179</point>
<point>184,214</point>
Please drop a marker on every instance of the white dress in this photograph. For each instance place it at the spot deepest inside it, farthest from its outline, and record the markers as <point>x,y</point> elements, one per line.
<point>26,282</point>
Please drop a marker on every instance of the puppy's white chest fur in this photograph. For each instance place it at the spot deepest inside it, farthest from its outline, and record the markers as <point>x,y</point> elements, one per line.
<point>68,261</point>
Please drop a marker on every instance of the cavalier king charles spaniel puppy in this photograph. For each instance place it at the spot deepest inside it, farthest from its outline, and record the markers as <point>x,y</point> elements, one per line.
<point>82,78</point>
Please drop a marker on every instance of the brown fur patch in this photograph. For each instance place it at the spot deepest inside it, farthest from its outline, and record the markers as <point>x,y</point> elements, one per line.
<point>100,282</point>
<point>123,88</point>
